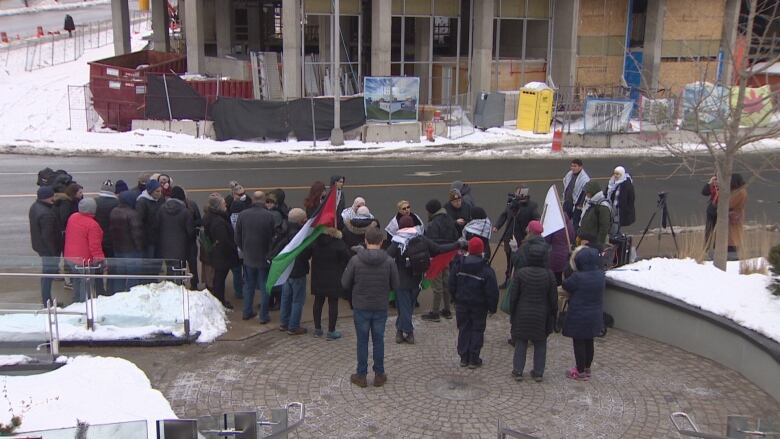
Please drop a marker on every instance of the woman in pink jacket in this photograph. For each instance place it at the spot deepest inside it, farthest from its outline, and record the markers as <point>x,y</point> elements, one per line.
<point>83,245</point>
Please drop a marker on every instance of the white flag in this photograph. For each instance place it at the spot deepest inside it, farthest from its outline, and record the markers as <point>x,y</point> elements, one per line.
<point>552,217</point>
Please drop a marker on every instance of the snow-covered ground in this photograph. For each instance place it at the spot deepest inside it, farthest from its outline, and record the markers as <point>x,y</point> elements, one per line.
<point>48,5</point>
<point>143,312</point>
<point>94,390</point>
<point>741,298</point>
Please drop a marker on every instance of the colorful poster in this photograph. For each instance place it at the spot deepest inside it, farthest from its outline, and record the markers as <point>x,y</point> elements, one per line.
<point>391,98</point>
<point>757,108</point>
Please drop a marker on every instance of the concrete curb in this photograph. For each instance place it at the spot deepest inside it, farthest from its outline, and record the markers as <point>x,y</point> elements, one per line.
<point>674,322</point>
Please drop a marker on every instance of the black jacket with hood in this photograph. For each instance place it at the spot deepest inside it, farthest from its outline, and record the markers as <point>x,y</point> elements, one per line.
<point>442,229</point>
<point>176,230</point>
<point>473,283</point>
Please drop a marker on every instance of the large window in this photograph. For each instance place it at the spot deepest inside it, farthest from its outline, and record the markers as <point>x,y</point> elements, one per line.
<point>521,43</point>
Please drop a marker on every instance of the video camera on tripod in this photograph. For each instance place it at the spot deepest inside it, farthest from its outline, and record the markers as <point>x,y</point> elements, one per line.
<point>666,221</point>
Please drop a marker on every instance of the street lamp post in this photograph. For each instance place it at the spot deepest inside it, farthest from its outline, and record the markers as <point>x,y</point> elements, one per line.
<point>336,135</point>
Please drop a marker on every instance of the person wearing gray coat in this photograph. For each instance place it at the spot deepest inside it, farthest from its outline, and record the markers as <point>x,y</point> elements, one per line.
<point>371,274</point>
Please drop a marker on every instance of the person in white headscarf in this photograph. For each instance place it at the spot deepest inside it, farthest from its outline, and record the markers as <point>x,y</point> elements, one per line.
<point>620,193</point>
<point>350,212</point>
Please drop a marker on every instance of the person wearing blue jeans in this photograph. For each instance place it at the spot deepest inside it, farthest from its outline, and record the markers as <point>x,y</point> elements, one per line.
<point>370,275</point>
<point>404,301</point>
<point>254,279</point>
<point>293,298</point>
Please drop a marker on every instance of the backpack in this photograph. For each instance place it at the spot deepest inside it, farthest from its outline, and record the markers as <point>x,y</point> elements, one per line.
<point>279,240</point>
<point>416,256</point>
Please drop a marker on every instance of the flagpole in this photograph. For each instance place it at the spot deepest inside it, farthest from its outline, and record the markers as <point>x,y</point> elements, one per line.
<point>563,215</point>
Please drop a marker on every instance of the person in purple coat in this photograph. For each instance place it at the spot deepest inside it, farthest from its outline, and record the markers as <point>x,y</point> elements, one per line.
<point>560,245</point>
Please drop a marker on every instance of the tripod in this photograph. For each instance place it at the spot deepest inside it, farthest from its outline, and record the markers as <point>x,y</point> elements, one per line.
<point>665,219</point>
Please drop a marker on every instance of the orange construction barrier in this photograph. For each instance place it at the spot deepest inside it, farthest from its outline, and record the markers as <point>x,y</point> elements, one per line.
<point>557,142</point>
<point>39,32</point>
<point>3,37</point>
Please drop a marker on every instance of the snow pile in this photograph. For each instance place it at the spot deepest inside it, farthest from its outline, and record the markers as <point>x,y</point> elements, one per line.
<point>143,312</point>
<point>741,298</point>
<point>95,390</point>
<point>13,360</point>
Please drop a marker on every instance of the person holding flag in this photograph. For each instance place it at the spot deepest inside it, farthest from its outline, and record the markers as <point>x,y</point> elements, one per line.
<point>412,253</point>
<point>441,230</point>
<point>558,232</point>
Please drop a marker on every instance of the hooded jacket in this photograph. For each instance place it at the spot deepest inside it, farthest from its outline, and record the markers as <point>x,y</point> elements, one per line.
<point>329,258</point>
<point>465,192</point>
<point>216,226</point>
<point>585,318</point>
<point>44,229</point>
<point>106,202</point>
<point>354,232</point>
<point>533,298</point>
<point>124,223</point>
<point>176,230</point>
<point>442,229</point>
<point>597,217</point>
<point>83,239</point>
<point>370,275</point>
<point>463,212</point>
<point>473,283</point>
<point>147,208</point>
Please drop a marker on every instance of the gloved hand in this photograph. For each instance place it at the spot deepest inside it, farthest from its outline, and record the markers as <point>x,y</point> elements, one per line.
<point>463,244</point>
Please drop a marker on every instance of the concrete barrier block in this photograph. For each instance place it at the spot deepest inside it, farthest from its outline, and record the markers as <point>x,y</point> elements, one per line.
<point>160,125</point>
<point>189,127</point>
<point>398,132</point>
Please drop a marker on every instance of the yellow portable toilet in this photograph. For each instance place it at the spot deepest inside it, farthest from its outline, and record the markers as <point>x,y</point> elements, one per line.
<point>143,5</point>
<point>534,109</point>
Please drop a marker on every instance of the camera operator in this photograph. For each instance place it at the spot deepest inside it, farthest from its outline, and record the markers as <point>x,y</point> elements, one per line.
<point>519,211</point>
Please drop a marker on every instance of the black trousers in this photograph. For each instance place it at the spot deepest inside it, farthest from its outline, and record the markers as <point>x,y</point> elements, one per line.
<point>471,321</point>
<point>192,264</point>
<point>333,311</point>
<point>218,284</point>
<point>583,353</point>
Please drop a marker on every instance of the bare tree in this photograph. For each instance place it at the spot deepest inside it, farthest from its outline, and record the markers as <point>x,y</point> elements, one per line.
<point>728,116</point>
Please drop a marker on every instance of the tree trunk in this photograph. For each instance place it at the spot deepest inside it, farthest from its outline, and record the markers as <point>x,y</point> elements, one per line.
<point>724,170</point>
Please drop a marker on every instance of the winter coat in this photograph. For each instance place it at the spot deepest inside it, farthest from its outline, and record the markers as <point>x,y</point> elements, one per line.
<point>44,229</point>
<point>370,276</point>
<point>106,202</point>
<point>354,232</point>
<point>69,25</point>
<point>533,299</point>
<point>522,213</point>
<point>559,246</point>
<point>464,213</point>
<point>147,208</point>
<point>176,230</point>
<point>254,231</point>
<point>465,192</point>
<point>408,280</point>
<point>596,218</point>
<point>392,225</point>
<point>442,229</point>
<point>127,235</point>
<point>473,283</point>
<point>329,258</point>
<point>216,226</point>
<point>83,239</point>
<point>573,202</point>
<point>64,207</point>
<point>622,200</point>
<point>520,257</point>
<point>585,317</point>
<point>737,203</point>
<point>281,206</point>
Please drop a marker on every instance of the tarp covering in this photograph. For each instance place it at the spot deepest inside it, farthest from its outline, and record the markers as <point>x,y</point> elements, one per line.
<point>300,111</point>
<point>705,106</point>
<point>244,119</point>
<point>185,102</point>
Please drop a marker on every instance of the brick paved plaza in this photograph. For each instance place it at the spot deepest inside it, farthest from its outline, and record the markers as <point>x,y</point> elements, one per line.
<point>636,384</point>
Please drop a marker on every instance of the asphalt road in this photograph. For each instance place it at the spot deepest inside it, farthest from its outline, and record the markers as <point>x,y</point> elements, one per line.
<point>381,182</point>
<point>51,21</point>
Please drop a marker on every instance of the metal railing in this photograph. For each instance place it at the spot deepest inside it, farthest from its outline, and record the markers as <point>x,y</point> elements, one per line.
<point>737,427</point>
<point>52,323</point>
<point>506,432</point>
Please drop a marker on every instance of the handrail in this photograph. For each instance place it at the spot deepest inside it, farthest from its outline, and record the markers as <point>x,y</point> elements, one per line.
<point>289,428</point>
<point>505,432</point>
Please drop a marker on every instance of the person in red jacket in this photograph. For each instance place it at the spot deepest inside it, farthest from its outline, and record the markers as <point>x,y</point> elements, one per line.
<point>83,244</point>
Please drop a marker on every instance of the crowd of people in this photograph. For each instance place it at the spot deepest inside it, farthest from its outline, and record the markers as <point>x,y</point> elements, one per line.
<point>138,230</point>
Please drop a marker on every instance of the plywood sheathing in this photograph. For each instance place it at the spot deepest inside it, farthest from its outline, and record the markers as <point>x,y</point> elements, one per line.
<point>599,70</point>
<point>694,20</point>
<point>675,75</point>
<point>602,18</point>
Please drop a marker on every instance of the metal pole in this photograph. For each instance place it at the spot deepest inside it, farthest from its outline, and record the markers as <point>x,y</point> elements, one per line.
<point>168,98</point>
<point>313,123</point>
<point>336,136</point>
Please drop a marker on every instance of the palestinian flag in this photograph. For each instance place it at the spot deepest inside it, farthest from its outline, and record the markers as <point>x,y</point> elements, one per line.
<point>282,264</point>
<point>438,264</point>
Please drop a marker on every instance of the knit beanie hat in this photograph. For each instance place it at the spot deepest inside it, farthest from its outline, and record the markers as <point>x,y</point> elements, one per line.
<point>87,205</point>
<point>405,222</point>
<point>478,213</point>
<point>108,186</point>
<point>127,198</point>
<point>592,187</point>
<point>178,193</point>
<point>215,200</point>
<point>152,186</point>
<point>363,210</point>
<point>433,206</point>
<point>454,193</point>
<point>535,227</point>
<point>120,187</point>
<point>45,192</point>
<point>476,246</point>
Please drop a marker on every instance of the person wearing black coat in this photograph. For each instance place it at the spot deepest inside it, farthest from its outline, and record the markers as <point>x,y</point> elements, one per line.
<point>406,294</point>
<point>147,205</point>
<point>178,193</point>
<point>355,229</point>
<point>329,258</point>
<point>236,202</point>
<point>533,301</point>
<point>223,254</point>
<point>585,317</point>
<point>520,211</point>
<point>338,181</point>
<point>176,232</point>
<point>620,193</point>
<point>441,229</point>
<point>475,292</point>
<point>106,202</point>
<point>127,240</point>
<point>459,211</point>
<point>66,203</point>
<point>45,237</point>
<point>254,232</point>
<point>69,25</point>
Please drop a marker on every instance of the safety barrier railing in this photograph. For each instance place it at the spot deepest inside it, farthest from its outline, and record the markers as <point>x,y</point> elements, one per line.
<point>506,432</point>
<point>737,427</point>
